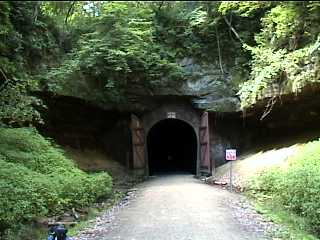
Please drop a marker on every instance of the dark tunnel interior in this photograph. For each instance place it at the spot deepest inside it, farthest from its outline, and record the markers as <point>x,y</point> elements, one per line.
<point>172,147</point>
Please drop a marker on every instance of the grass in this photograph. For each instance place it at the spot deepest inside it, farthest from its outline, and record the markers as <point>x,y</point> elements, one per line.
<point>289,194</point>
<point>292,227</point>
<point>94,212</point>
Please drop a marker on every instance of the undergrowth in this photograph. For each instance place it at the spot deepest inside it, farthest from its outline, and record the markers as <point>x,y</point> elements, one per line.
<point>292,190</point>
<point>37,179</point>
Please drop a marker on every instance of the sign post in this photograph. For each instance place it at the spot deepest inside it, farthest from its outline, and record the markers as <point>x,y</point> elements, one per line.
<point>231,155</point>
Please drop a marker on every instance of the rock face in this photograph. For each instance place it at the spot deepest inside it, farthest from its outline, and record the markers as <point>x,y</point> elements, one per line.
<point>212,88</point>
<point>225,132</point>
<point>77,124</point>
<point>205,86</point>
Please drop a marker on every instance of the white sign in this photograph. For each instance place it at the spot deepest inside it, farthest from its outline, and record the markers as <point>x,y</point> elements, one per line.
<point>231,154</point>
<point>171,115</point>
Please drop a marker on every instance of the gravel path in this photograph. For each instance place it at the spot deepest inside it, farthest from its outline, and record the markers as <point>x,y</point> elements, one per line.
<point>178,207</point>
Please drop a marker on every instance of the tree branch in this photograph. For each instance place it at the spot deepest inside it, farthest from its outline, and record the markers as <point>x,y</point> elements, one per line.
<point>36,11</point>
<point>160,5</point>
<point>232,29</point>
<point>219,50</point>
<point>269,107</point>
<point>5,79</point>
<point>69,11</point>
<point>230,35</point>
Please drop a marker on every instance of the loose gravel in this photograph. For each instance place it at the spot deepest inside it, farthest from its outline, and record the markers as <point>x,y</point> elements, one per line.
<point>179,207</point>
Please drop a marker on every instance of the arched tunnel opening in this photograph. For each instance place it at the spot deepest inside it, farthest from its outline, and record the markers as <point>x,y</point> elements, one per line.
<point>172,147</point>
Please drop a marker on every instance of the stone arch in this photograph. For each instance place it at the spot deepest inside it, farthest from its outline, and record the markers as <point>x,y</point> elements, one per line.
<point>180,111</point>
<point>172,147</point>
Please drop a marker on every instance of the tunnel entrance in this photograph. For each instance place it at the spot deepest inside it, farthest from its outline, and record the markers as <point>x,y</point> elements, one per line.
<point>172,147</point>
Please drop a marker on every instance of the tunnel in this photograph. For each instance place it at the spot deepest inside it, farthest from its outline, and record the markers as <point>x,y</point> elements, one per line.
<point>172,147</point>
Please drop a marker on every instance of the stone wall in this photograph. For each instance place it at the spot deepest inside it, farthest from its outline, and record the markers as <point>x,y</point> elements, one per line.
<point>80,125</point>
<point>225,132</point>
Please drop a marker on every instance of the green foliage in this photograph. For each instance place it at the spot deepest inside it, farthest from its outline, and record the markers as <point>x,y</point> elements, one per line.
<point>295,187</point>
<point>243,8</point>
<point>292,227</point>
<point>106,51</point>
<point>27,43</point>
<point>26,231</point>
<point>69,13</point>
<point>36,179</point>
<point>17,106</point>
<point>130,46</point>
<point>118,53</point>
<point>286,52</point>
<point>279,25</point>
<point>191,29</point>
<point>291,70</point>
<point>24,194</point>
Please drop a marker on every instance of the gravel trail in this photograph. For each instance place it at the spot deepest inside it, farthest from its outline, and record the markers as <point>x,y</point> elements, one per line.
<point>175,207</point>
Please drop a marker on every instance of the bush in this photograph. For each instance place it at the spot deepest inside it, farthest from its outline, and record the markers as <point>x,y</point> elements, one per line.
<point>36,179</point>
<point>297,187</point>
<point>24,194</point>
<point>25,146</point>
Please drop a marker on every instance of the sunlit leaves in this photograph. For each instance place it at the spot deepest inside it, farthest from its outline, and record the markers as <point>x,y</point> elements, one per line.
<point>296,186</point>
<point>279,25</point>
<point>243,8</point>
<point>286,54</point>
<point>119,53</point>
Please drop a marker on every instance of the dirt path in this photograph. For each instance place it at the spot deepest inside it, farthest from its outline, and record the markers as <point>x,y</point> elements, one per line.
<point>178,207</point>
